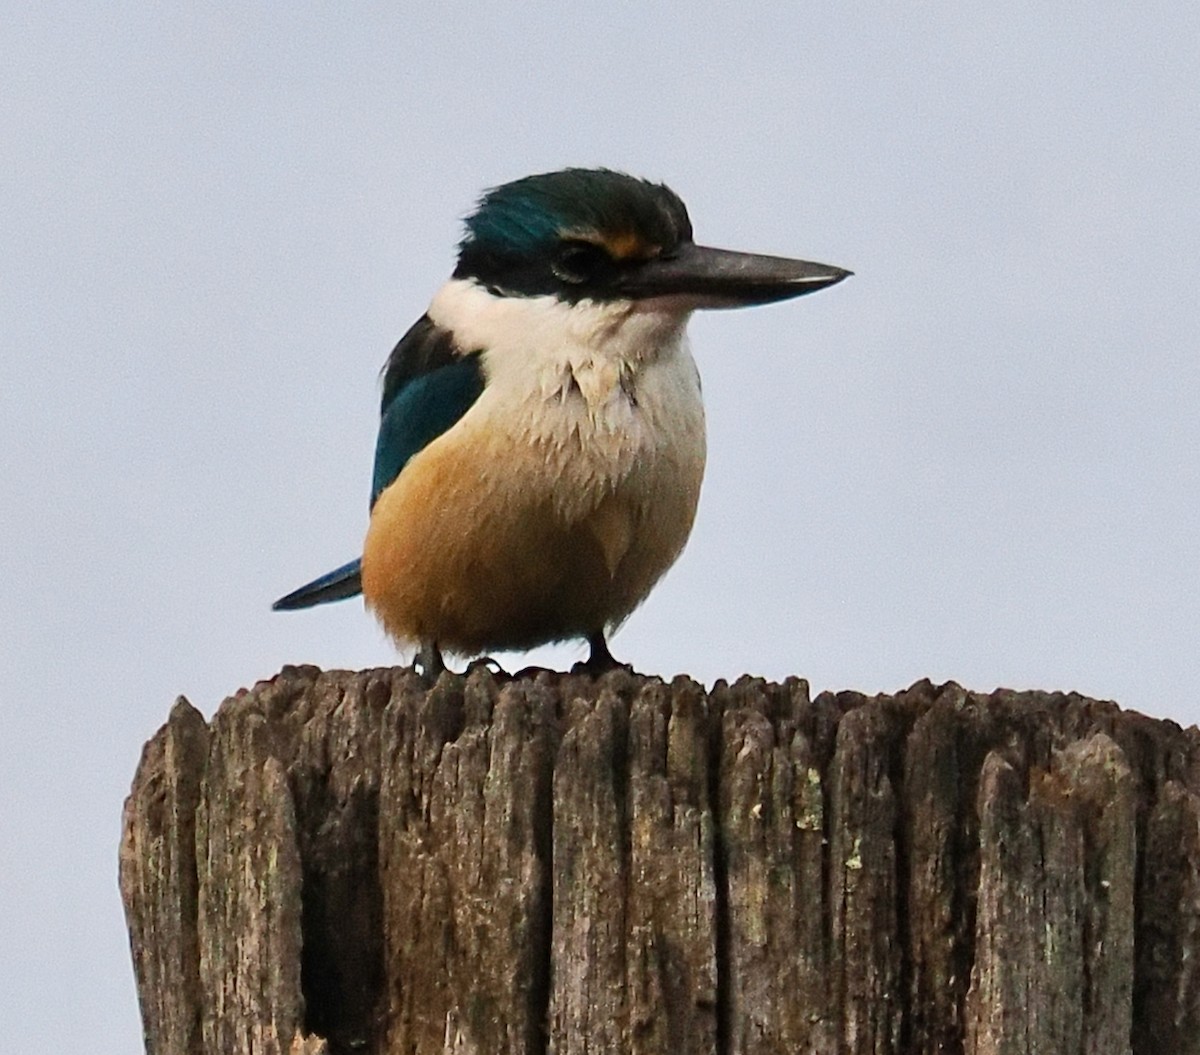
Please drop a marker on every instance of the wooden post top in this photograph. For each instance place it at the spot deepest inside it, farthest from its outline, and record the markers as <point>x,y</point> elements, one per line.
<point>362,862</point>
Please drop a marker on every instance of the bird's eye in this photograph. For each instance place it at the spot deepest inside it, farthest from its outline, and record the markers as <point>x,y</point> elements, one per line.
<point>579,262</point>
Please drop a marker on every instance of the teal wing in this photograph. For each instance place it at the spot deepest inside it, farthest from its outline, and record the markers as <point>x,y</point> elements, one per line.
<point>428,384</point>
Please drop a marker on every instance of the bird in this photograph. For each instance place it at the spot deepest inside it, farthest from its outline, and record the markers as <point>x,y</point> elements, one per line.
<point>541,440</point>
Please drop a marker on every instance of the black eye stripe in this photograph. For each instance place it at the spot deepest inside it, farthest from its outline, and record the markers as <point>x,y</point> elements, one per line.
<point>578,261</point>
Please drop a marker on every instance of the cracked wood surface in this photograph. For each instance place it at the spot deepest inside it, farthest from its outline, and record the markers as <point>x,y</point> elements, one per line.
<point>362,863</point>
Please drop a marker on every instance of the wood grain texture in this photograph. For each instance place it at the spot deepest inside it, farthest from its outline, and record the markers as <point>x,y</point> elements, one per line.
<point>363,862</point>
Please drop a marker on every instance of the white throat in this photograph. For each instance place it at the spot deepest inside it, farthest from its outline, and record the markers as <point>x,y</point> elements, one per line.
<point>545,327</point>
<point>597,392</point>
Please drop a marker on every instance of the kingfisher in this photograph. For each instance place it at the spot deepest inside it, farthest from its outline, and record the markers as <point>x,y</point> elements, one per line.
<point>541,439</point>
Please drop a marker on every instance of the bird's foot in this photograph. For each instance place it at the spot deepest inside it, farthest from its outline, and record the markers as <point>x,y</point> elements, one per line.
<point>600,661</point>
<point>429,660</point>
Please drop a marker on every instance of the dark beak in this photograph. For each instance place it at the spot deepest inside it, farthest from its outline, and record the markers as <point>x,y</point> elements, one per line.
<point>721,278</point>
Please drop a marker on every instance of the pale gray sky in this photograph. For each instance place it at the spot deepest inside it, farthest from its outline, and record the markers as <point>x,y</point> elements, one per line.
<point>977,459</point>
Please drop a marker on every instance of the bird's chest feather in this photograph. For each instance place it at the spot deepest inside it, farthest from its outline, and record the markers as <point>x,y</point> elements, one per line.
<point>581,402</point>
<point>590,424</point>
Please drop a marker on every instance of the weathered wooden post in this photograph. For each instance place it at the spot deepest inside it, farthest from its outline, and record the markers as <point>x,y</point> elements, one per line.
<point>358,862</point>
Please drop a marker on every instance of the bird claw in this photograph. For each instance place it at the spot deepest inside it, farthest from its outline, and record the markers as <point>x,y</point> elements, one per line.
<point>488,663</point>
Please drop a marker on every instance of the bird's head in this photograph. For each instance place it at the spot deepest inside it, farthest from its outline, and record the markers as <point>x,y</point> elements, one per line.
<point>594,234</point>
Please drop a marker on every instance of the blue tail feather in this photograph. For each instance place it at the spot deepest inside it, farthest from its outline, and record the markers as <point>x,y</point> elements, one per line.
<point>336,585</point>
